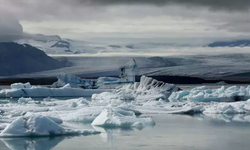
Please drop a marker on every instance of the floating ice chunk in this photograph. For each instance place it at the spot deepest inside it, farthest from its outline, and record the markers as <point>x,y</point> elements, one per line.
<point>196,98</point>
<point>73,104</point>
<point>55,119</point>
<point>20,85</point>
<point>37,125</point>
<point>79,102</point>
<point>203,94</point>
<point>82,115</point>
<point>178,96</point>
<point>199,88</point>
<point>147,89</point>
<point>228,108</point>
<point>37,91</point>
<point>48,99</point>
<point>111,117</point>
<point>159,103</point>
<point>34,126</point>
<point>221,83</point>
<point>24,100</point>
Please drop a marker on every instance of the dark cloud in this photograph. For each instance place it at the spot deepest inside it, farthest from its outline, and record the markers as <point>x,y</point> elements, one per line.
<point>10,29</point>
<point>213,4</point>
<point>49,15</point>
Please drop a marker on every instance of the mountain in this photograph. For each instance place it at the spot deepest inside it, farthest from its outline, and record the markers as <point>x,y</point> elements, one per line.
<point>57,45</point>
<point>236,43</point>
<point>17,59</point>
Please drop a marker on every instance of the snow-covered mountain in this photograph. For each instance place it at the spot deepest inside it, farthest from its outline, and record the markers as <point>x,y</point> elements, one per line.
<point>57,45</point>
<point>236,43</point>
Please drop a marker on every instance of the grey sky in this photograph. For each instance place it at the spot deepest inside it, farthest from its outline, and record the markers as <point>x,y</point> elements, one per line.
<point>10,29</point>
<point>236,5</point>
<point>83,19</point>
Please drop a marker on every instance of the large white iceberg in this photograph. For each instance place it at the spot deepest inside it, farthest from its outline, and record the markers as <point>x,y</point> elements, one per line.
<point>147,89</point>
<point>37,125</point>
<point>115,117</point>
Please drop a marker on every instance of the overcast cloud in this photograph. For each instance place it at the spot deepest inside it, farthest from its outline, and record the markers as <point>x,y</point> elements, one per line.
<point>127,18</point>
<point>10,29</point>
<point>236,5</point>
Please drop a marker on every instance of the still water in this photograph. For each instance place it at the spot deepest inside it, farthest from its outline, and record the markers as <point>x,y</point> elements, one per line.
<point>173,132</point>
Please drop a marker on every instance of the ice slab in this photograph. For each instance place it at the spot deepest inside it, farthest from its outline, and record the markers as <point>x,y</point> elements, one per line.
<point>38,91</point>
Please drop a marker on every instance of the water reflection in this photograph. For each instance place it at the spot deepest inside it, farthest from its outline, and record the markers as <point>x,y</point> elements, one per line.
<point>110,134</point>
<point>32,143</point>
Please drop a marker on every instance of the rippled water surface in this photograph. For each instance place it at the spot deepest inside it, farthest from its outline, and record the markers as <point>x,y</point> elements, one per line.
<point>174,132</point>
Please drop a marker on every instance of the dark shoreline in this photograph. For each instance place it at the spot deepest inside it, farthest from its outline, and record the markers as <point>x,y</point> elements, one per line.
<point>167,79</point>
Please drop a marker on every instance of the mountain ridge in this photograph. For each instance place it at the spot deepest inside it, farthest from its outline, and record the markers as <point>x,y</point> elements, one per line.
<point>233,43</point>
<point>18,59</point>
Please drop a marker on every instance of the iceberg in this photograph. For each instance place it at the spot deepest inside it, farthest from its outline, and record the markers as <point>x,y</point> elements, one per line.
<point>74,82</point>
<point>147,89</point>
<point>39,91</point>
<point>37,125</point>
<point>25,100</point>
<point>20,85</point>
<point>204,94</point>
<point>112,118</point>
<point>127,76</point>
